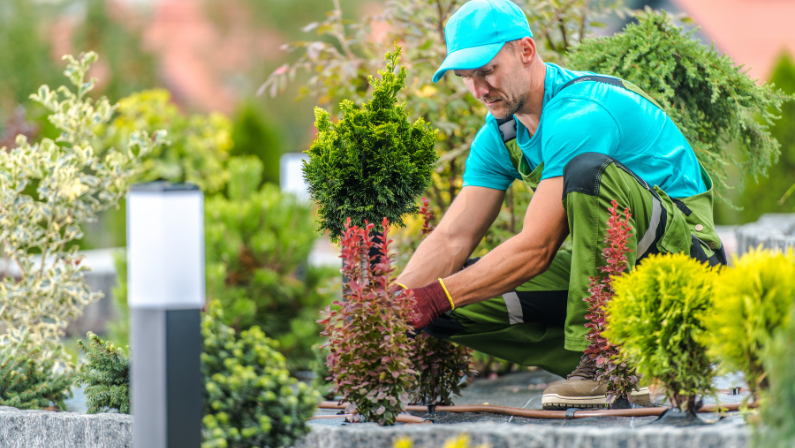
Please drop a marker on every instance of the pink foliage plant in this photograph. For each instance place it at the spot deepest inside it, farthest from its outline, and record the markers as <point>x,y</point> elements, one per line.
<point>620,377</point>
<point>369,335</point>
<point>440,364</point>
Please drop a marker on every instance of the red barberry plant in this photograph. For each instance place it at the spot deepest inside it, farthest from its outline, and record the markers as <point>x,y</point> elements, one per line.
<point>440,365</point>
<point>620,377</point>
<point>369,335</point>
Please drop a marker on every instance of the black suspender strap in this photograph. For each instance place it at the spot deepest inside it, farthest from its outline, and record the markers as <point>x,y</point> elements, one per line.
<point>613,81</point>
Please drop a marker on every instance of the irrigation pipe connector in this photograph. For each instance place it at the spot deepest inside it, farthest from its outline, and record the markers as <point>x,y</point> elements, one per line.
<point>570,413</point>
<point>401,418</point>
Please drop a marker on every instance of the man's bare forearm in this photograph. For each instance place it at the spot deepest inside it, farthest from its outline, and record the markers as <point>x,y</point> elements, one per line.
<point>438,256</point>
<point>522,257</point>
<point>459,232</point>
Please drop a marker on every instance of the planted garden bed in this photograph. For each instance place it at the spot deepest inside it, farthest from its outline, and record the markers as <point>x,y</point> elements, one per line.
<point>523,390</point>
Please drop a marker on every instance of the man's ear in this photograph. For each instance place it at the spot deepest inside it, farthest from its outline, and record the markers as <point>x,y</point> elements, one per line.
<point>527,50</point>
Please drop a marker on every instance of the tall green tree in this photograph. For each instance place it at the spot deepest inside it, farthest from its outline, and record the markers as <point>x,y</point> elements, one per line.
<point>764,195</point>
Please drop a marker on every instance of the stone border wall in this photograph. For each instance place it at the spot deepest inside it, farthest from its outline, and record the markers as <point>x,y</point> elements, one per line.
<point>731,434</point>
<point>44,429</point>
<point>772,231</point>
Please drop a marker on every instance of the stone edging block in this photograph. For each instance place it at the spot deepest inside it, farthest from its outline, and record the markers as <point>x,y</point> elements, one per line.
<point>501,435</point>
<point>44,429</point>
<point>772,231</point>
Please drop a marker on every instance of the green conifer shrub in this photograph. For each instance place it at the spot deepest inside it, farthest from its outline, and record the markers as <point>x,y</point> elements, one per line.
<point>440,365</point>
<point>753,299</point>
<point>711,100</point>
<point>373,163</point>
<point>29,380</point>
<point>257,242</point>
<point>777,427</point>
<point>369,357</point>
<point>106,376</point>
<point>250,398</point>
<point>656,316</point>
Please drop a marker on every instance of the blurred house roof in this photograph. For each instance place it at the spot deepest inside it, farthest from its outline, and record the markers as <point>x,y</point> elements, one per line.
<point>197,59</point>
<point>752,32</point>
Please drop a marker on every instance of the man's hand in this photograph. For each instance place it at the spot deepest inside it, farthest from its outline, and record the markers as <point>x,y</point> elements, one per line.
<point>430,302</point>
<point>461,229</point>
<point>520,258</point>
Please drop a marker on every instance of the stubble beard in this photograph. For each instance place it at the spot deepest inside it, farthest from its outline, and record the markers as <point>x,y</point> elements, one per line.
<point>510,107</point>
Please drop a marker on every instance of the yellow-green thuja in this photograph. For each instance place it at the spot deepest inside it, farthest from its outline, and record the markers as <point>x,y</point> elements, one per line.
<point>753,298</point>
<point>656,316</point>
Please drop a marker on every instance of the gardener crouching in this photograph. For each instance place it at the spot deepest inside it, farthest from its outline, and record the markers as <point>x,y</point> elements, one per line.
<point>580,141</point>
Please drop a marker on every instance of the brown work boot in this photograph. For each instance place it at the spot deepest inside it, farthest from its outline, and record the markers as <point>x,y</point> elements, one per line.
<point>580,390</point>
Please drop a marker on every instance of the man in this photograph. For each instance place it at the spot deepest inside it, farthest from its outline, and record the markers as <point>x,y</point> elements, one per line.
<point>580,142</point>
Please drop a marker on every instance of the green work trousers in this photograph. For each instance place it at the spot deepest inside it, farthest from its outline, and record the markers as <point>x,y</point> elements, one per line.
<point>542,322</point>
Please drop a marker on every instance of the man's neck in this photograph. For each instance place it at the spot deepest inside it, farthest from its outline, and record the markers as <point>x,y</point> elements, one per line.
<point>530,114</point>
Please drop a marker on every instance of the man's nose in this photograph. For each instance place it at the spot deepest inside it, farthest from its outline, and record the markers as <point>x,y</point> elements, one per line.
<point>479,88</point>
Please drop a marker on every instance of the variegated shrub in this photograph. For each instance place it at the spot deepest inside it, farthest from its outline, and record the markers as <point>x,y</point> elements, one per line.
<point>47,190</point>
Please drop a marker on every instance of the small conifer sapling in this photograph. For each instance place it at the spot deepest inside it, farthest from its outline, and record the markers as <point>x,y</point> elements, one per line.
<point>29,380</point>
<point>106,376</point>
<point>373,163</point>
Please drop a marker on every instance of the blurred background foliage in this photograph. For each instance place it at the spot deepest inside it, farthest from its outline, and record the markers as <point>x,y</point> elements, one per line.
<point>257,243</point>
<point>766,195</point>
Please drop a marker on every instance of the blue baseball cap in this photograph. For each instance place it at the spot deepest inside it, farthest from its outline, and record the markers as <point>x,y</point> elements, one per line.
<point>477,32</point>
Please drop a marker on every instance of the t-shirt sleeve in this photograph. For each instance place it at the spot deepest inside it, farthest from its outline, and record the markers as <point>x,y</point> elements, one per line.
<point>488,164</point>
<point>574,126</point>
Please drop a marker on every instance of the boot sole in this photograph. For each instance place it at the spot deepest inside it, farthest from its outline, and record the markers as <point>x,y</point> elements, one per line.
<point>555,402</point>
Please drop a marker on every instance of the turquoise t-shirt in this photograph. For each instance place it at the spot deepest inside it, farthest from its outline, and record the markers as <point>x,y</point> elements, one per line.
<point>590,117</point>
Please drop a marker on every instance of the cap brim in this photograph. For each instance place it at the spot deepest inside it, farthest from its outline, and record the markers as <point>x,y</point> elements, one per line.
<point>468,59</point>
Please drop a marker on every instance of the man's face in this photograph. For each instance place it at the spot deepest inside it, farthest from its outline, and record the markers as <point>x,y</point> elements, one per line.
<point>502,84</point>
